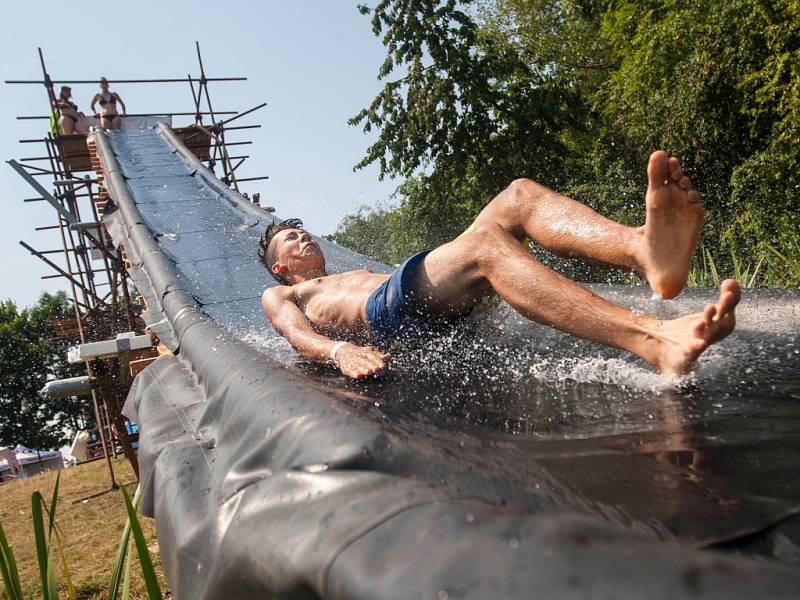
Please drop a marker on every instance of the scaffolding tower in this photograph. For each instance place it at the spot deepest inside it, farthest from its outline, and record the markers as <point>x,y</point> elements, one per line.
<point>104,302</point>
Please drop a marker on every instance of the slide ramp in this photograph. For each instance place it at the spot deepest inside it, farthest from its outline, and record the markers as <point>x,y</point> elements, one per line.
<point>472,469</point>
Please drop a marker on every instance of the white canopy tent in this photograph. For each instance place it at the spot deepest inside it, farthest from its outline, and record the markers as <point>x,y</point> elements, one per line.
<point>21,462</point>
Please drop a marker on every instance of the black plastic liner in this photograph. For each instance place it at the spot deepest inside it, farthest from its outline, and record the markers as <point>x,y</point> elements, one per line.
<point>268,477</point>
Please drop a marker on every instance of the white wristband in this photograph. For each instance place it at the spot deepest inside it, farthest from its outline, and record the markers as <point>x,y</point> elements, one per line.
<point>336,347</point>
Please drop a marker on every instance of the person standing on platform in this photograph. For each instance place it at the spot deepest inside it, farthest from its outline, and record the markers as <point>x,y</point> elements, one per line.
<point>69,117</point>
<point>109,116</point>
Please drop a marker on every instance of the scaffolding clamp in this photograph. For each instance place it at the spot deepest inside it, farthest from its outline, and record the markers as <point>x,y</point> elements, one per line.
<point>124,343</point>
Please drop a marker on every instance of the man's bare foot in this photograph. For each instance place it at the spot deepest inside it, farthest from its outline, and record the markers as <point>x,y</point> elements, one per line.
<point>681,341</point>
<point>672,226</point>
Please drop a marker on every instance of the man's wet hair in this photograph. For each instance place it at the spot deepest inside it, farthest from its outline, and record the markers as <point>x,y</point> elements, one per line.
<point>269,256</point>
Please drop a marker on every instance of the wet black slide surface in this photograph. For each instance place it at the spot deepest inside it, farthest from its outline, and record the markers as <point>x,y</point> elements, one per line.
<point>504,460</point>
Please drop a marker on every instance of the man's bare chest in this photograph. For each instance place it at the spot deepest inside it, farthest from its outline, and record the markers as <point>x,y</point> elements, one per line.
<point>337,300</point>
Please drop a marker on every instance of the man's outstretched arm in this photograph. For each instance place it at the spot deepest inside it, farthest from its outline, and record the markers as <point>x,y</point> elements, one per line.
<point>288,320</point>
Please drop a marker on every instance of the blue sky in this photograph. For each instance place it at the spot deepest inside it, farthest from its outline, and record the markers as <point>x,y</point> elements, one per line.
<point>314,62</point>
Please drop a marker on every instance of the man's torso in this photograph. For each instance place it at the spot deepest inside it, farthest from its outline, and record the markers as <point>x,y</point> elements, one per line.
<point>335,304</point>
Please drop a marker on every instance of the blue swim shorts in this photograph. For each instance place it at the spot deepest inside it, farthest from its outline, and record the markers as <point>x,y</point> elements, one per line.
<point>393,313</point>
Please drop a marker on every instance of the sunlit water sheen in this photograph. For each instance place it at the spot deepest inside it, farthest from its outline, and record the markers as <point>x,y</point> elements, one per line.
<point>705,457</point>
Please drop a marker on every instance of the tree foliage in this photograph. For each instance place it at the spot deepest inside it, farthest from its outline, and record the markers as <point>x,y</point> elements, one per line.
<point>30,355</point>
<point>576,94</point>
<point>459,114</point>
<point>717,84</point>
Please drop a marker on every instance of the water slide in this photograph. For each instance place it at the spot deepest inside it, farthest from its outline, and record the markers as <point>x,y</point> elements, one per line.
<point>504,461</point>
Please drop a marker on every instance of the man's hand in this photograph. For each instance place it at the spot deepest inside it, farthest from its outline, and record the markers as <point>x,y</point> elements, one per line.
<point>280,307</point>
<point>359,361</point>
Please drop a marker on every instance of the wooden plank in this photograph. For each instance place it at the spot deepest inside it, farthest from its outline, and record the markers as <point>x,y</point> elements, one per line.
<point>65,328</point>
<point>197,140</point>
<point>75,152</point>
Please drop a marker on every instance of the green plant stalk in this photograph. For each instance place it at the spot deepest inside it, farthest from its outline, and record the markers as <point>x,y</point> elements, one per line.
<point>122,551</point>
<point>54,528</point>
<point>148,572</point>
<point>52,588</point>
<point>752,281</point>
<point>792,266</point>
<point>126,582</point>
<point>41,544</point>
<point>713,267</point>
<point>737,272</point>
<point>8,567</point>
<point>63,560</point>
<point>9,588</point>
<point>52,511</point>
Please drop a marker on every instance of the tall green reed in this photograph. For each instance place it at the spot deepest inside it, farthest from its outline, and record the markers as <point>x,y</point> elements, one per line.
<point>43,541</point>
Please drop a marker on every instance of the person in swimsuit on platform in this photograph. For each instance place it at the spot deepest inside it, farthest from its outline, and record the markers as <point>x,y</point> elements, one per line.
<point>338,318</point>
<point>70,116</point>
<point>109,116</point>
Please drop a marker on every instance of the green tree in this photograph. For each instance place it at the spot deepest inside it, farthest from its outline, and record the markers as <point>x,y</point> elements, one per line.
<point>30,355</point>
<point>482,97</point>
<point>576,94</point>
<point>717,84</point>
<point>459,114</point>
<point>767,183</point>
<point>392,234</point>
<point>562,41</point>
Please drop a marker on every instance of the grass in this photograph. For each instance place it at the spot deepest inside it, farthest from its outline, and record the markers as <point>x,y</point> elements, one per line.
<point>770,268</point>
<point>90,518</point>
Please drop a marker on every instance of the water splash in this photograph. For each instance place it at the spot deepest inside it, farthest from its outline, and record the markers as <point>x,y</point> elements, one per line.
<point>502,373</point>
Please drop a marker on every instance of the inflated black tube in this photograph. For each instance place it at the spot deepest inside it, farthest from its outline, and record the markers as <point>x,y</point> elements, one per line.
<point>208,176</point>
<point>65,388</point>
<point>163,277</point>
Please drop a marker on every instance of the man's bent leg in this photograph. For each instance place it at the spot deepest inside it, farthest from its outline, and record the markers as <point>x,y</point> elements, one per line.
<point>456,274</point>
<point>660,251</point>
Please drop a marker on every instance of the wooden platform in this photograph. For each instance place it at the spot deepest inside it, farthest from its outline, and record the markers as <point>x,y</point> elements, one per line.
<point>74,152</point>
<point>196,140</point>
<point>65,328</point>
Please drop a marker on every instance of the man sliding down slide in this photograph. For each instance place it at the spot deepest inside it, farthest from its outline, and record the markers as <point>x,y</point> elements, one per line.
<point>334,318</point>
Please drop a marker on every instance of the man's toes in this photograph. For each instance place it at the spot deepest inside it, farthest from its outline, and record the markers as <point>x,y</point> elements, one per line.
<point>729,294</point>
<point>709,313</point>
<point>684,183</point>
<point>693,197</point>
<point>699,328</point>
<point>732,286</point>
<point>727,302</point>
<point>674,164</point>
<point>677,174</point>
<point>658,168</point>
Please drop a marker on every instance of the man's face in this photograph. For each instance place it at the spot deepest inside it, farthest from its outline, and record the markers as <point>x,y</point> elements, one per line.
<point>296,252</point>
